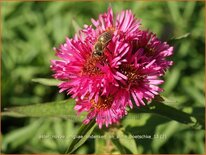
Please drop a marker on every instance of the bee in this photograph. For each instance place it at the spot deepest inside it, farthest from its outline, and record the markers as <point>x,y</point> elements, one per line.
<point>102,42</point>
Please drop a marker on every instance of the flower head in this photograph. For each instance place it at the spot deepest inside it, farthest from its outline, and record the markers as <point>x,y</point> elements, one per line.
<point>106,65</point>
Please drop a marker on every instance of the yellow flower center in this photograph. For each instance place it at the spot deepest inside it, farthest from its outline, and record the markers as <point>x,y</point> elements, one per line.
<point>103,102</point>
<point>131,73</point>
<point>90,67</point>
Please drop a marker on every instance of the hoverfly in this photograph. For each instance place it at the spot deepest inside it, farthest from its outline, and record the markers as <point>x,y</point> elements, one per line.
<point>102,42</point>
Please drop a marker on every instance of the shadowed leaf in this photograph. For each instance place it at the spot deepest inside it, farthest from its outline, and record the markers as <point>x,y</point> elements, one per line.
<point>125,142</point>
<point>171,113</point>
<point>82,135</point>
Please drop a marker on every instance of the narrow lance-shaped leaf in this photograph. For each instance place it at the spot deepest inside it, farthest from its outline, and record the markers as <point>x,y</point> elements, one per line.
<point>163,99</point>
<point>175,40</point>
<point>82,135</point>
<point>171,113</point>
<point>119,146</point>
<point>125,142</point>
<point>62,109</point>
<point>47,82</point>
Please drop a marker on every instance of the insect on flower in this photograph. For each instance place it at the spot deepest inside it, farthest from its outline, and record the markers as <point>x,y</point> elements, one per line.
<point>102,42</point>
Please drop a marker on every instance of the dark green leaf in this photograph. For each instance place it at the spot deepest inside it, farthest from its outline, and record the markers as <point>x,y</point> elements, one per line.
<point>17,137</point>
<point>163,99</point>
<point>82,135</point>
<point>119,146</point>
<point>171,113</point>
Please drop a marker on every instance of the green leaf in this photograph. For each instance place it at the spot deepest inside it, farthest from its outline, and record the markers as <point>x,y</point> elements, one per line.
<point>174,9</point>
<point>62,109</point>
<point>175,40</point>
<point>100,146</point>
<point>76,26</point>
<point>189,9</point>
<point>46,82</point>
<point>172,80</point>
<point>119,146</point>
<point>163,99</point>
<point>17,137</point>
<point>82,135</point>
<point>125,142</point>
<point>163,133</point>
<point>171,113</point>
<point>197,112</point>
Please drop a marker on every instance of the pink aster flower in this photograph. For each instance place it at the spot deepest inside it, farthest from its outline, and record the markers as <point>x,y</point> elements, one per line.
<point>146,63</point>
<point>127,66</point>
<point>154,49</point>
<point>106,109</point>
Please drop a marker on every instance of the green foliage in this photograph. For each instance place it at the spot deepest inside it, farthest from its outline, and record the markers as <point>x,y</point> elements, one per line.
<point>123,141</point>
<point>53,109</point>
<point>18,137</point>
<point>30,31</point>
<point>173,114</point>
<point>178,39</point>
<point>65,109</point>
<point>47,82</point>
<point>82,135</point>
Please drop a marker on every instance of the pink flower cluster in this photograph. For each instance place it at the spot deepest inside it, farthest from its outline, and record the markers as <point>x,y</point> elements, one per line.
<point>129,68</point>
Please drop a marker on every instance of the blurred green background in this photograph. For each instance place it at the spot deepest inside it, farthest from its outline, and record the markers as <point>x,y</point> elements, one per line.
<point>31,29</point>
